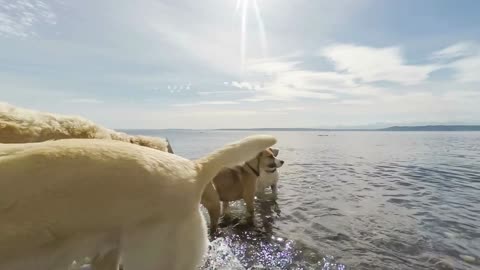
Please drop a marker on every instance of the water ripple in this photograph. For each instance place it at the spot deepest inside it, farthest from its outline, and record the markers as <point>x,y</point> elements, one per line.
<point>362,200</point>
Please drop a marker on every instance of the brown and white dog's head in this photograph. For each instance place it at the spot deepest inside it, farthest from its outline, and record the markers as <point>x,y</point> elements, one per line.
<point>267,161</point>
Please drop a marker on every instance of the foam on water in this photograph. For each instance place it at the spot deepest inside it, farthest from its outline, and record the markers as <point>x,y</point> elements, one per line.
<point>220,256</point>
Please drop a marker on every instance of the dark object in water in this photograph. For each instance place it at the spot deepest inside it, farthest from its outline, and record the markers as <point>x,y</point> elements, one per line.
<point>338,237</point>
<point>169,146</point>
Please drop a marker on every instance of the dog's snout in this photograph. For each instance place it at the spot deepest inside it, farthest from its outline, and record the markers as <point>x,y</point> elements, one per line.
<point>281,162</point>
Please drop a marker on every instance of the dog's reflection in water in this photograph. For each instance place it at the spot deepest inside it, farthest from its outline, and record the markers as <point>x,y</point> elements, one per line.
<point>267,211</point>
<point>254,245</point>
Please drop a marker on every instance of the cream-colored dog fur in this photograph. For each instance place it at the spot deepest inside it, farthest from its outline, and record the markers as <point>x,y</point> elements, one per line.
<point>68,199</point>
<point>19,125</point>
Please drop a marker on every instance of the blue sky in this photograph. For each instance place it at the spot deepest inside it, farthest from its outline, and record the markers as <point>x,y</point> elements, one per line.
<point>186,64</point>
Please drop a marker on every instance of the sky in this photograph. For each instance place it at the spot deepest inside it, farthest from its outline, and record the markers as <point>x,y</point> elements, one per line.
<point>244,63</point>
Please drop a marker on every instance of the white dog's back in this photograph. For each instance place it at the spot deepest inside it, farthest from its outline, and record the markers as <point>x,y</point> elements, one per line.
<point>62,198</point>
<point>19,125</point>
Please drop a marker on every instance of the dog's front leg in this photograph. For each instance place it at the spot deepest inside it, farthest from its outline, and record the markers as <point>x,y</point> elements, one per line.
<point>249,198</point>
<point>225,208</point>
<point>274,189</point>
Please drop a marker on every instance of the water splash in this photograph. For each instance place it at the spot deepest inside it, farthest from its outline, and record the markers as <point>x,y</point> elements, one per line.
<point>220,256</point>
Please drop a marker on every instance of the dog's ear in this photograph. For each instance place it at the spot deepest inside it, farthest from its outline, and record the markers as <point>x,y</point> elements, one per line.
<point>274,151</point>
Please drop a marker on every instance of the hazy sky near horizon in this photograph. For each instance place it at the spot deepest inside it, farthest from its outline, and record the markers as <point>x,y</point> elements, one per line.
<point>243,63</point>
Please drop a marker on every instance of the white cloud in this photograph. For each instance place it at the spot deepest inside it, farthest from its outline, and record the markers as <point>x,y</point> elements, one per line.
<point>371,64</point>
<point>353,102</point>
<point>206,93</point>
<point>19,17</point>
<point>196,41</point>
<point>256,99</point>
<point>226,113</point>
<point>283,109</point>
<point>244,85</point>
<point>461,49</point>
<point>468,69</point>
<point>85,101</point>
<point>291,82</point>
<point>271,66</point>
<point>219,102</point>
<point>466,63</point>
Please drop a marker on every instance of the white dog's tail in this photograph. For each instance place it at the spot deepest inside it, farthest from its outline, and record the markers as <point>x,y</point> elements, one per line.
<point>232,154</point>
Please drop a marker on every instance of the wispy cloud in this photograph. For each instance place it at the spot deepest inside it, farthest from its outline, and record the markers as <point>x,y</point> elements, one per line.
<point>206,93</point>
<point>245,85</point>
<point>133,65</point>
<point>19,17</point>
<point>219,102</point>
<point>288,109</point>
<point>353,102</point>
<point>85,101</point>
<point>461,49</point>
<point>371,64</point>
<point>271,66</point>
<point>290,82</point>
<point>465,60</point>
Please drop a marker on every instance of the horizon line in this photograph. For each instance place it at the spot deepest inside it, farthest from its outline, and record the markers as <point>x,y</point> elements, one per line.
<point>389,128</point>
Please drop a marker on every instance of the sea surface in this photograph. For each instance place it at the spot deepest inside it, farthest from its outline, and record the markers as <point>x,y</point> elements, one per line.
<point>354,200</point>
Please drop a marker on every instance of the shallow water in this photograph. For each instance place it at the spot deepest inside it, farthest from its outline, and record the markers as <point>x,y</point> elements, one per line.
<point>355,200</point>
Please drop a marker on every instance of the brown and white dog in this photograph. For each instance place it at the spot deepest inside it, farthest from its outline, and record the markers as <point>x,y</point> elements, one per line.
<point>69,199</point>
<point>240,182</point>
<point>18,125</point>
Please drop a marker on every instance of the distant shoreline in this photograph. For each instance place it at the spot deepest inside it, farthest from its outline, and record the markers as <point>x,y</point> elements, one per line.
<point>392,128</point>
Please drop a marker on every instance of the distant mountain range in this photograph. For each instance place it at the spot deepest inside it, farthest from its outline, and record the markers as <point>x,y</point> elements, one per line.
<point>434,128</point>
<point>393,128</point>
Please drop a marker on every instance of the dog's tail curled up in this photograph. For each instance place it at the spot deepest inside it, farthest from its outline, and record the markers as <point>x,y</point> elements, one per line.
<point>232,154</point>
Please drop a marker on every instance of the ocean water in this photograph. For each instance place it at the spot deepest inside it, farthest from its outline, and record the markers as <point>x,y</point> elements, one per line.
<point>354,200</point>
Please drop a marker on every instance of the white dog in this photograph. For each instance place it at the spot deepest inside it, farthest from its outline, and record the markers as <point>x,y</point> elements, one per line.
<point>68,199</point>
<point>18,125</point>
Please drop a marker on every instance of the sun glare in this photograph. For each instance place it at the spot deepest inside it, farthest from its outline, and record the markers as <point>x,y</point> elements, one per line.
<point>242,7</point>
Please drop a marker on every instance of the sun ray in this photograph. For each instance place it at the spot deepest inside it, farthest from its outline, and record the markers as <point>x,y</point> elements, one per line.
<point>237,6</point>
<point>241,8</point>
<point>261,26</point>
<point>244,33</point>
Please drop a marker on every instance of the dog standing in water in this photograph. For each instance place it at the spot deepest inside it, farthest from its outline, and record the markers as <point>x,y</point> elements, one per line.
<point>68,199</point>
<point>239,182</point>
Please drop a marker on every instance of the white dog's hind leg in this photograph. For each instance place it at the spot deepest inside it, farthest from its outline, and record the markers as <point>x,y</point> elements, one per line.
<point>167,244</point>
